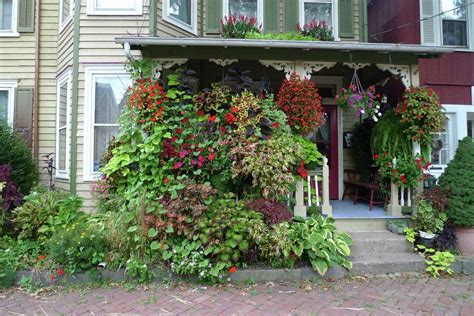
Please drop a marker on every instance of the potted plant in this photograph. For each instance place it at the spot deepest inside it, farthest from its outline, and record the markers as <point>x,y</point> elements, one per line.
<point>429,222</point>
<point>457,180</point>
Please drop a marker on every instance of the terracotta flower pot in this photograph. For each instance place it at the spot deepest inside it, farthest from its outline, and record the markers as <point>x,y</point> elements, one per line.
<point>465,238</point>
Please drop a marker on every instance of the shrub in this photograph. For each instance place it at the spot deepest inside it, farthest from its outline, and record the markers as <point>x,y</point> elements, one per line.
<point>456,179</point>
<point>446,240</point>
<point>273,211</point>
<point>15,152</point>
<point>78,248</point>
<point>319,30</point>
<point>302,104</point>
<point>437,197</point>
<point>238,27</point>
<point>316,239</point>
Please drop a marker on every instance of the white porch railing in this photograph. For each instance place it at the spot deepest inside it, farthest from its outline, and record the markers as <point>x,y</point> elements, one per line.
<point>317,191</point>
<point>400,197</point>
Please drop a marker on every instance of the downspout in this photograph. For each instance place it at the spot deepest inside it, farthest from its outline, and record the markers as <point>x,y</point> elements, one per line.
<point>75,95</point>
<point>153,16</point>
<point>36,85</point>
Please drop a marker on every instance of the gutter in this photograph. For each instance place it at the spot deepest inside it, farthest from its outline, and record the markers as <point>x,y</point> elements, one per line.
<point>35,132</point>
<point>268,44</point>
<point>75,96</point>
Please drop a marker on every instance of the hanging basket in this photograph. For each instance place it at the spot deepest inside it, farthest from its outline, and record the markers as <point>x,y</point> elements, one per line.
<point>365,103</point>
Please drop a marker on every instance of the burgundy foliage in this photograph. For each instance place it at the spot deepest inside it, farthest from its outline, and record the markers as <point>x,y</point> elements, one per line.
<point>274,212</point>
<point>11,195</point>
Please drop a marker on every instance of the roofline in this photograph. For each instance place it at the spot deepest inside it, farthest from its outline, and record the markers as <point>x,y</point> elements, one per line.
<point>420,50</point>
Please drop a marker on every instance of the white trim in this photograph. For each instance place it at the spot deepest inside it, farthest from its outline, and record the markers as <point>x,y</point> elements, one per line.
<point>91,72</point>
<point>335,15</point>
<point>136,10</point>
<point>65,78</point>
<point>13,32</point>
<point>10,86</point>
<point>225,12</point>
<point>64,23</point>
<point>472,95</point>
<point>190,28</point>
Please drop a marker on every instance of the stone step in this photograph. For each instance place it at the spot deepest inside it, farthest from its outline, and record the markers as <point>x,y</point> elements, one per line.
<point>387,263</point>
<point>363,224</point>
<point>379,242</point>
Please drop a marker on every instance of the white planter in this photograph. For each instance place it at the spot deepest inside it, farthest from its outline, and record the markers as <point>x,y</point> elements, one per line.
<point>426,235</point>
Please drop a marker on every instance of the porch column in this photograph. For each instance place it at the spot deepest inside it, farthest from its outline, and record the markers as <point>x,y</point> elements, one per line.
<point>415,82</point>
<point>326,207</point>
<point>300,207</point>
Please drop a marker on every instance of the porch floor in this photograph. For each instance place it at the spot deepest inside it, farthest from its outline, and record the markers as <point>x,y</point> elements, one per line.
<point>347,209</point>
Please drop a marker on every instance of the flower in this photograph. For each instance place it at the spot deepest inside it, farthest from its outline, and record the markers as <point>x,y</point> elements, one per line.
<point>211,118</point>
<point>178,165</point>
<point>60,272</point>
<point>211,157</point>
<point>52,277</point>
<point>376,156</point>
<point>276,125</point>
<point>230,118</point>
<point>166,180</point>
<point>41,257</point>
<point>233,269</point>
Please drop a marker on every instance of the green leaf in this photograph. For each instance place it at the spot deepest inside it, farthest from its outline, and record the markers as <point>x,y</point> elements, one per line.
<point>152,233</point>
<point>320,266</point>
<point>154,245</point>
<point>132,229</point>
<point>232,243</point>
<point>170,229</point>
<point>343,249</point>
<point>298,249</point>
<point>167,255</point>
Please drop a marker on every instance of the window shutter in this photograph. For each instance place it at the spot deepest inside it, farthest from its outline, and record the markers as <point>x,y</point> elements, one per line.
<point>428,29</point>
<point>23,113</point>
<point>214,16</point>
<point>290,15</point>
<point>271,16</point>
<point>346,18</point>
<point>26,16</point>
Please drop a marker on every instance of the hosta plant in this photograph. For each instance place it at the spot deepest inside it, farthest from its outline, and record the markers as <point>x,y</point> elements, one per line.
<point>316,239</point>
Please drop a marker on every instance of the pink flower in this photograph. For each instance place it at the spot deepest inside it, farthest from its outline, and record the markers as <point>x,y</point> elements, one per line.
<point>211,157</point>
<point>178,165</point>
<point>183,154</point>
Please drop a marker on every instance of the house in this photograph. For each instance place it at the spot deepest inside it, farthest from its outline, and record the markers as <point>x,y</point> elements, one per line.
<point>445,23</point>
<point>62,65</point>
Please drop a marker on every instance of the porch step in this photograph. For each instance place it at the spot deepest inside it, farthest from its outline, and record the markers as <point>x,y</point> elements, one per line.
<point>351,225</point>
<point>382,252</point>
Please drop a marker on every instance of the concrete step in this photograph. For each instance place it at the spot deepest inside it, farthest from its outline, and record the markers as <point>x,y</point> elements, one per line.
<point>378,242</point>
<point>361,224</point>
<point>384,263</point>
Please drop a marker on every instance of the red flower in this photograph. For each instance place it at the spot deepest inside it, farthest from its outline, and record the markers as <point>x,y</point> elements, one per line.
<point>60,272</point>
<point>200,113</point>
<point>234,109</point>
<point>230,118</point>
<point>233,269</point>
<point>152,119</point>
<point>166,180</point>
<point>276,125</point>
<point>376,156</point>
<point>302,171</point>
<point>179,130</point>
<point>41,257</point>
<point>52,277</point>
<point>211,157</point>
<point>211,118</point>
<point>178,165</point>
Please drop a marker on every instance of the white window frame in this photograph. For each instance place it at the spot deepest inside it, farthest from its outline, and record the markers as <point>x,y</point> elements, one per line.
<point>438,26</point>
<point>225,12</point>
<point>335,15</point>
<point>65,22</point>
<point>168,18</point>
<point>9,86</point>
<point>92,9</point>
<point>452,123</point>
<point>65,78</point>
<point>14,30</point>
<point>91,72</point>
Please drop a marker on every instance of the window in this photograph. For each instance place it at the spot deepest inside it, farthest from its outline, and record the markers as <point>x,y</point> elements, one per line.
<point>114,7</point>
<point>447,22</point>
<point>8,17</point>
<point>454,22</point>
<point>441,157</point>
<point>248,8</point>
<point>182,13</point>
<point>65,12</point>
<point>321,10</point>
<point>106,96</point>
<point>7,92</point>
<point>62,125</point>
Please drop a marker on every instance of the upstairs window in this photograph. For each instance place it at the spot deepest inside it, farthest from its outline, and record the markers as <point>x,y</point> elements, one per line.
<point>454,22</point>
<point>248,8</point>
<point>8,17</point>
<point>182,13</point>
<point>115,7</point>
<point>65,12</point>
<point>447,22</point>
<point>321,10</point>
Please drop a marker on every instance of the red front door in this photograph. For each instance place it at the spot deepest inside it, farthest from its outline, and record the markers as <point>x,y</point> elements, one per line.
<point>327,141</point>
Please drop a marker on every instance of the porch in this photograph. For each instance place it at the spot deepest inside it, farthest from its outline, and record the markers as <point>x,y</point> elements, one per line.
<point>331,65</point>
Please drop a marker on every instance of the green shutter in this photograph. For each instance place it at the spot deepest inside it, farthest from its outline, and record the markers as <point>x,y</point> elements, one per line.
<point>214,16</point>
<point>346,18</point>
<point>23,113</point>
<point>290,15</point>
<point>363,25</point>
<point>271,16</point>
<point>26,16</point>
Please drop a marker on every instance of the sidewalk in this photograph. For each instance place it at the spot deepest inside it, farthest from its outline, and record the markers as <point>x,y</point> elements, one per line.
<point>406,294</point>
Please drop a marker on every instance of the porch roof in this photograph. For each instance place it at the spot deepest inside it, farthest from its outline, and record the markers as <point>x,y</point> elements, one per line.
<point>257,49</point>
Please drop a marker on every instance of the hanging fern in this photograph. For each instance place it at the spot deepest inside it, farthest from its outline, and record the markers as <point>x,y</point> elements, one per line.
<point>388,136</point>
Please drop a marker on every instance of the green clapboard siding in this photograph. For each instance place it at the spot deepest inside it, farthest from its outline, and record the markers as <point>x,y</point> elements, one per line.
<point>26,16</point>
<point>214,16</point>
<point>290,15</point>
<point>346,18</point>
<point>271,16</point>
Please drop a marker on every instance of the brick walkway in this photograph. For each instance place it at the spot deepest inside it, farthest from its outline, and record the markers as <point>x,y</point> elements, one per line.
<point>374,296</point>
